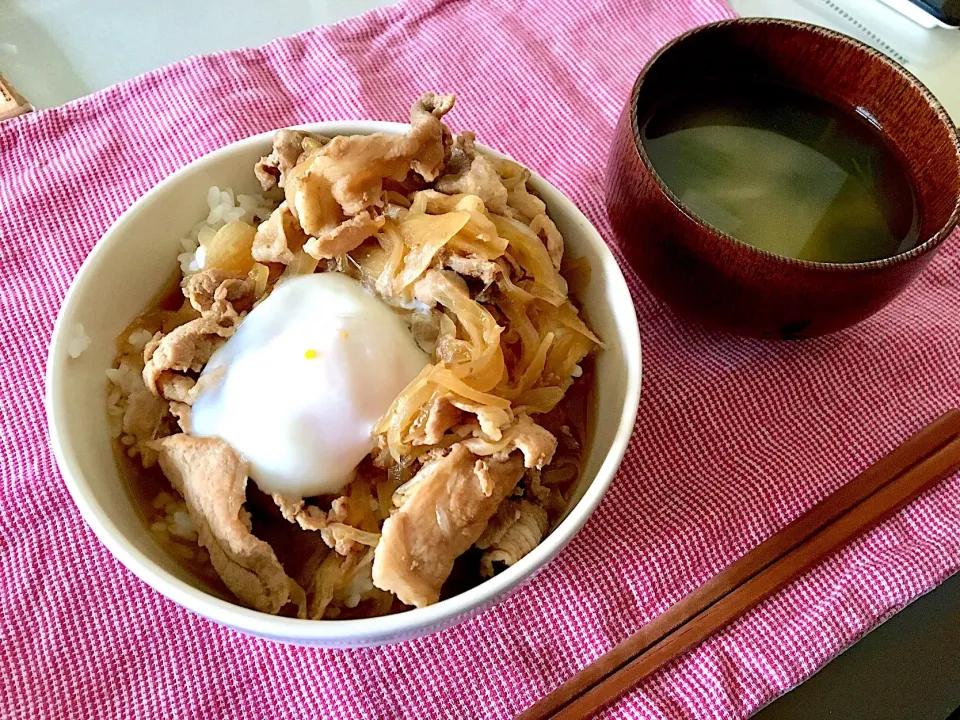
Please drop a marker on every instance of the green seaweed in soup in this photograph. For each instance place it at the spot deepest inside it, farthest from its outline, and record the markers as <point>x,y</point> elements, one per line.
<point>785,172</point>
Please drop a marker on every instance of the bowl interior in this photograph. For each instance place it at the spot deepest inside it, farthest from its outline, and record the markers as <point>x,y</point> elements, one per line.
<point>136,259</point>
<point>831,66</point>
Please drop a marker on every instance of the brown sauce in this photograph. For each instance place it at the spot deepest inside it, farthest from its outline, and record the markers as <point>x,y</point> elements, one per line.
<point>300,551</point>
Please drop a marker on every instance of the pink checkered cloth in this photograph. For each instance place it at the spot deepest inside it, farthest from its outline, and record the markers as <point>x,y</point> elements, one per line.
<point>735,439</point>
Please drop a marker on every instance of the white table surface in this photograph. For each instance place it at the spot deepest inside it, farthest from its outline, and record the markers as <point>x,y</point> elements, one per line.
<point>56,50</point>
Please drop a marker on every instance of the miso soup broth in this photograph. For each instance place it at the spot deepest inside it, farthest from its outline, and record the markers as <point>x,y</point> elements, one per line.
<point>785,172</point>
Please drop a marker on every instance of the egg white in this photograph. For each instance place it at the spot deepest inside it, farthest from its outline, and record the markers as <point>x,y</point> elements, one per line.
<point>301,384</point>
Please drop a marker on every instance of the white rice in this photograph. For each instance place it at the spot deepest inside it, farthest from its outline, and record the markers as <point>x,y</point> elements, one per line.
<point>124,380</point>
<point>139,338</point>
<point>126,377</point>
<point>175,521</point>
<point>223,206</point>
<point>182,526</point>
<point>357,590</point>
<point>79,342</point>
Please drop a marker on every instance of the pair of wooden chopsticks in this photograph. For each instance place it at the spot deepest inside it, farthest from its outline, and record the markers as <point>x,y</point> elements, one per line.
<point>870,498</point>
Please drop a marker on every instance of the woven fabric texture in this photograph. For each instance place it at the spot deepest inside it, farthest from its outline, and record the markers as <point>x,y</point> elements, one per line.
<point>735,437</point>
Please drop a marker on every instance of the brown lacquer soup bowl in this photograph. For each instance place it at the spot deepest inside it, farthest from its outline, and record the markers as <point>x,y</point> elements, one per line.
<point>707,274</point>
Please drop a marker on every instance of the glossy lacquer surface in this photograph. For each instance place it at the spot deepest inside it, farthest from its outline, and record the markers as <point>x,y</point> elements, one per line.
<point>724,283</point>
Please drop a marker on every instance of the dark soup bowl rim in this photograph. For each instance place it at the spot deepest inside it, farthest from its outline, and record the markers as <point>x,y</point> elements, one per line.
<point>921,248</point>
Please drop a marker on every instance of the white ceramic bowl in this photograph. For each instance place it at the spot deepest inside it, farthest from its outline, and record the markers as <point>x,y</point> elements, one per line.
<point>136,258</point>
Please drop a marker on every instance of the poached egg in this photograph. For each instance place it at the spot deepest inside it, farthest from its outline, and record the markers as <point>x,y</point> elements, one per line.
<point>299,387</point>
